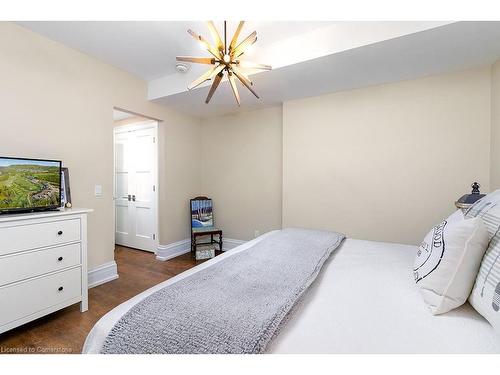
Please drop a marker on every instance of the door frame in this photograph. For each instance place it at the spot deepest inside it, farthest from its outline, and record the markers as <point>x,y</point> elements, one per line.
<point>145,124</point>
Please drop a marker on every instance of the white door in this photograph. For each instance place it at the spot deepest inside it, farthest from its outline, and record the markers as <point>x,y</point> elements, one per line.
<point>136,218</point>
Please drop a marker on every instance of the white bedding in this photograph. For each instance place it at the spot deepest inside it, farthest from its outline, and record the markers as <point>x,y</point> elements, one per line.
<point>364,301</point>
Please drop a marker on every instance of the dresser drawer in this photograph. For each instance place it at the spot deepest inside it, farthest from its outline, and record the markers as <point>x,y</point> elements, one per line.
<point>33,236</point>
<point>22,266</point>
<point>20,300</point>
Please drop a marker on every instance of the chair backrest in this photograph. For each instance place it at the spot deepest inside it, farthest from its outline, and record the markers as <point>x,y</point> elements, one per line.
<point>201,212</point>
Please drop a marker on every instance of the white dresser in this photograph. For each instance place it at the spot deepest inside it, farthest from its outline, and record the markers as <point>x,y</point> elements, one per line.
<point>43,264</point>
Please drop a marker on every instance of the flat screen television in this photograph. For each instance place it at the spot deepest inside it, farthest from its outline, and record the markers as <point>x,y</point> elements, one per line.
<point>28,185</point>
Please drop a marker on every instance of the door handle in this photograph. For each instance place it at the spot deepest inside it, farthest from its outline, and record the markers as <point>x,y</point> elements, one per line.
<point>133,198</point>
<point>129,197</point>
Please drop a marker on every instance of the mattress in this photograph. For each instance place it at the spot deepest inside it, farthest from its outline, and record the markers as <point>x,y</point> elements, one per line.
<point>363,301</point>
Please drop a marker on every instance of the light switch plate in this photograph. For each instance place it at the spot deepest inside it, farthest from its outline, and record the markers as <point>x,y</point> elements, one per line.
<point>98,190</point>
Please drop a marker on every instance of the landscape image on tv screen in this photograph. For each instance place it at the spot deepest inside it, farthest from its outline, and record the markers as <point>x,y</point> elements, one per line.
<point>26,184</point>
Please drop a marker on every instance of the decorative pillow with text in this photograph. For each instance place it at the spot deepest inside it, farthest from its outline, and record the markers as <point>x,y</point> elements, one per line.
<point>448,261</point>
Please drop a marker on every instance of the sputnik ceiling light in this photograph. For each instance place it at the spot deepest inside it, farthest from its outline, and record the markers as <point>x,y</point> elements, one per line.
<point>225,58</point>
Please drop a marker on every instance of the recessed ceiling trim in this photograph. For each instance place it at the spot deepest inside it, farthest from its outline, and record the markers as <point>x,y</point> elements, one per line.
<point>341,36</point>
<point>450,48</point>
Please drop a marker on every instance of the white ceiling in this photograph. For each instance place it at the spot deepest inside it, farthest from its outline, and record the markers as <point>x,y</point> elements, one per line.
<point>148,49</point>
<point>309,58</point>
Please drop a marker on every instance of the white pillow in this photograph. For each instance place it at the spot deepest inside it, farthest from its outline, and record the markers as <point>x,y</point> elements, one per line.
<point>448,260</point>
<point>485,296</point>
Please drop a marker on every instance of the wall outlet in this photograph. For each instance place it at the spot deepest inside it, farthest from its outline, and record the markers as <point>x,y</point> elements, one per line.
<point>256,233</point>
<point>98,190</point>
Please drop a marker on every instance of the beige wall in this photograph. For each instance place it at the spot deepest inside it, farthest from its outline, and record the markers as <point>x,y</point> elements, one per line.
<point>241,171</point>
<point>179,174</point>
<point>58,103</point>
<point>386,162</point>
<point>495,126</point>
<point>419,142</point>
<point>381,163</point>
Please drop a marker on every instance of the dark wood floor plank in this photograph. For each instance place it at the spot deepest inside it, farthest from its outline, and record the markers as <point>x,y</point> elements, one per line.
<point>65,331</point>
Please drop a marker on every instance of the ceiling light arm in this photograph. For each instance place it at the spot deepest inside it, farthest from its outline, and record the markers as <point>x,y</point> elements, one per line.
<point>235,37</point>
<point>225,38</point>
<point>205,44</point>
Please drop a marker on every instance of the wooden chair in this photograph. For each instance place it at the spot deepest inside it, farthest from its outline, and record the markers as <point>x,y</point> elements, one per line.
<point>202,223</point>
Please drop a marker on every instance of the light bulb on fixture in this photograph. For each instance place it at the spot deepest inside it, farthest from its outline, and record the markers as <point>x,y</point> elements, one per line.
<point>250,50</point>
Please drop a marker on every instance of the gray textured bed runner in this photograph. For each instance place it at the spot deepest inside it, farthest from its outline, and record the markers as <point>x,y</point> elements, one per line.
<point>233,306</point>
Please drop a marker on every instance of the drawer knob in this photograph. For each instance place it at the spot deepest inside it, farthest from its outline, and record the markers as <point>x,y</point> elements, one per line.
<point>60,288</point>
<point>60,259</point>
<point>60,232</point>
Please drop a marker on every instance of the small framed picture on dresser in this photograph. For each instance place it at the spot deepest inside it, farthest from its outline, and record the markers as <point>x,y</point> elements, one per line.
<point>65,188</point>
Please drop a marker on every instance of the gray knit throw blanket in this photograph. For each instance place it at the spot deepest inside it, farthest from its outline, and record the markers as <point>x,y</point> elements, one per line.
<point>233,306</point>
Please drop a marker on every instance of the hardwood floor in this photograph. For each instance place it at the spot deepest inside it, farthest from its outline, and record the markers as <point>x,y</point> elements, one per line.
<point>65,331</point>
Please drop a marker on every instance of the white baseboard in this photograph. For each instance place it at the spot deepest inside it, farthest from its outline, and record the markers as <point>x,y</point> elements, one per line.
<point>166,252</point>
<point>230,243</point>
<point>102,274</point>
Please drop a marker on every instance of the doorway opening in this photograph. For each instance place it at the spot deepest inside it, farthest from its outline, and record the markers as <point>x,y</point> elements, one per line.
<point>135,176</point>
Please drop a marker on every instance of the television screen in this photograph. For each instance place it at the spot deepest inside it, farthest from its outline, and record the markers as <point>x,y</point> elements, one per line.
<point>29,184</point>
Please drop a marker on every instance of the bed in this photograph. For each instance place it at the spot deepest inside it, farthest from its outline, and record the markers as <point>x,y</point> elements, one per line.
<point>363,301</point>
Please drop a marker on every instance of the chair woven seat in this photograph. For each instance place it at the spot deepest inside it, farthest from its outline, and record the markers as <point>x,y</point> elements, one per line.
<point>205,229</point>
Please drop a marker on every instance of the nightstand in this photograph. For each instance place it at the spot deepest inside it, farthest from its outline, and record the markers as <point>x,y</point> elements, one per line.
<point>467,200</point>
<point>462,206</point>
